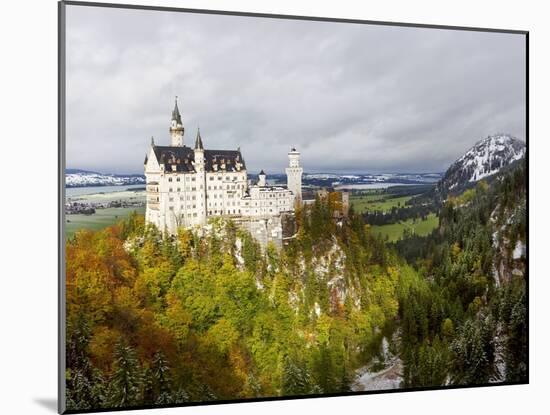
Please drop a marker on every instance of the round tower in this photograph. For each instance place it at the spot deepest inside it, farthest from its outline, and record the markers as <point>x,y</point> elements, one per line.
<point>176,127</point>
<point>261,179</point>
<point>294,175</point>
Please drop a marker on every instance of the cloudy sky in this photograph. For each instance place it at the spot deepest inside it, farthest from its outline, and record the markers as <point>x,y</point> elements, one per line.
<point>350,97</point>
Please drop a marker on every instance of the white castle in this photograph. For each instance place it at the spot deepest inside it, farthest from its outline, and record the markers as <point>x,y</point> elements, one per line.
<point>185,186</point>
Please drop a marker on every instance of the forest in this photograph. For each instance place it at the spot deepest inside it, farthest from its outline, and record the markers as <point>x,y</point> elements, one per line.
<point>154,319</point>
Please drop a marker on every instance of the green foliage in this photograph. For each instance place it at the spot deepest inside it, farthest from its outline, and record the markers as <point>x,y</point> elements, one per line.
<point>296,379</point>
<point>474,351</point>
<point>125,385</point>
<point>216,317</point>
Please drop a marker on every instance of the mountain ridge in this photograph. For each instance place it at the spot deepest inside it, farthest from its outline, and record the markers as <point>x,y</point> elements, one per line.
<point>483,160</point>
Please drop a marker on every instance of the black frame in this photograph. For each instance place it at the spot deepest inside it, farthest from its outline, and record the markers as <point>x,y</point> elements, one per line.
<point>61,197</point>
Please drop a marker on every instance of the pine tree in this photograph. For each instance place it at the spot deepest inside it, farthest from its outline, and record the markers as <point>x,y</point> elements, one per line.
<point>296,380</point>
<point>84,384</point>
<point>126,383</point>
<point>474,352</point>
<point>162,379</point>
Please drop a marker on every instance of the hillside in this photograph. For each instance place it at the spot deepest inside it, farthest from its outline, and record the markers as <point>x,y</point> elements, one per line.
<point>476,264</point>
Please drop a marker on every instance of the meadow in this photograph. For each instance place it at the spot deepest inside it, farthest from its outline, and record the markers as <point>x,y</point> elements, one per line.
<point>420,227</point>
<point>101,219</point>
<point>376,200</point>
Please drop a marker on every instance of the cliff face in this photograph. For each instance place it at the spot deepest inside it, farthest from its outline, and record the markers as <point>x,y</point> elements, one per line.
<point>510,248</point>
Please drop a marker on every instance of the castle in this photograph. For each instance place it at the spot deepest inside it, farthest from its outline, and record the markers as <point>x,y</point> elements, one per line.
<point>185,186</point>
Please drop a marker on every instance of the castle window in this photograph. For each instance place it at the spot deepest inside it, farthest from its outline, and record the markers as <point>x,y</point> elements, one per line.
<point>211,178</point>
<point>178,179</point>
<point>179,188</point>
<point>193,189</point>
<point>170,189</point>
<point>171,199</point>
<point>169,179</point>
<point>192,179</point>
<point>219,177</point>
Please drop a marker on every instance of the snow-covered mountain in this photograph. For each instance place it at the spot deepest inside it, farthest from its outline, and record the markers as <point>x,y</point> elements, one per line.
<point>84,178</point>
<point>485,158</point>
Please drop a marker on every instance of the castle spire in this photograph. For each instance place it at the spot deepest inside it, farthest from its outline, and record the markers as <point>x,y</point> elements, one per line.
<point>176,127</point>
<point>198,141</point>
<point>176,116</point>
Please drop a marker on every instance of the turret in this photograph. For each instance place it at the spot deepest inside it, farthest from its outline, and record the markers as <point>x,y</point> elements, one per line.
<point>293,158</point>
<point>261,179</point>
<point>201,179</point>
<point>198,141</point>
<point>176,127</point>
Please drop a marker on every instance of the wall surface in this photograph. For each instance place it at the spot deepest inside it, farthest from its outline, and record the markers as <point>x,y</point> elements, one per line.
<point>28,314</point>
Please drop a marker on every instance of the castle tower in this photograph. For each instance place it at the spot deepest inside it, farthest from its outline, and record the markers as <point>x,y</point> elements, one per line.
<point>176,127</point>
<point>294,175</point>
<point>261,179</point>
<point>201,179</point>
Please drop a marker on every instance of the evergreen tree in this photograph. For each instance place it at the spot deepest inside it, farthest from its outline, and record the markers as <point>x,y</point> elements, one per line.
<point>296,379</point>
<point>474,352</point>
<point>125,387</point>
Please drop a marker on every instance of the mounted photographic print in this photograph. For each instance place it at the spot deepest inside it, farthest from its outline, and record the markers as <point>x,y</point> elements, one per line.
<point>258,207</point>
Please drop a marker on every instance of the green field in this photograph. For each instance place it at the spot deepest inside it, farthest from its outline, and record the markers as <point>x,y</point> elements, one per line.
<point>101,219</point>
<point>394,231</point>
<point>376,200</point>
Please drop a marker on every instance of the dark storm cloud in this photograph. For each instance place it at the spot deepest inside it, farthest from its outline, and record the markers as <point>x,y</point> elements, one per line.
<point>350,97</point>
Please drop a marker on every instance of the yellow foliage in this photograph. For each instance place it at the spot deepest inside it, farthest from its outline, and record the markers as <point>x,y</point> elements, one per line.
<point>222,335</point>
<point>455,251</point>
<point>102,346</point>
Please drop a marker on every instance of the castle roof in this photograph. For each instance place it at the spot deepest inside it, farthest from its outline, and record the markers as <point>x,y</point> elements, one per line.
<point>176,113</point>
<point>183,158</point>
<point>198,141</point>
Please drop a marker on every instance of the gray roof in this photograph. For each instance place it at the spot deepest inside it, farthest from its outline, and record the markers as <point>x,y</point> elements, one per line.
<point>183,158</point>
<point>198,141</point>
<point>176,113</point>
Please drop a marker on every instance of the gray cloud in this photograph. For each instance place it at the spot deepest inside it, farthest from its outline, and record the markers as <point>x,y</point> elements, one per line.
<point>351,97</point>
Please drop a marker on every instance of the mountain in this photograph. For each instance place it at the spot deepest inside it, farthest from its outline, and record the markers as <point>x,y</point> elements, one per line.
<point>486,158</point>
<point>85,178</point>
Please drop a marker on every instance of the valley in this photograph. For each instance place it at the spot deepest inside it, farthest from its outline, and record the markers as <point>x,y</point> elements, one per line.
<point>421,285</point>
